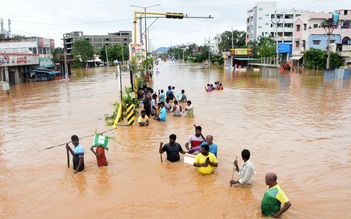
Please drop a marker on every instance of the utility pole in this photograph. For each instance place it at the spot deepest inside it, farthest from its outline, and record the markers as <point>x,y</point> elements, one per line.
<point>276,40</point>
<point>6,83</point>
<point>65,61</point>
<point>209,52</point>
<point>106,56</point>
<point>328,50</point>
<point>232,40</point>
<point>329,26</point>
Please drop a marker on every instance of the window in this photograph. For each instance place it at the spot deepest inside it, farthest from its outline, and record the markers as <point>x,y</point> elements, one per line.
<point>266,24</point>
<point>304,26</point>
<point>260,9</point>
<point>259,26</point>
<point>298,27</point>
<point>259,18</point>
<point>345,12</point>
<point>315,25</point>
<point>316,42</point>
<point>267,15</point>
<point>297,44</point>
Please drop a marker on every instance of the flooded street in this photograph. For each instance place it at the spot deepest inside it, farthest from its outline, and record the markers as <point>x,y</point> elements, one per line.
<point>297,125</point>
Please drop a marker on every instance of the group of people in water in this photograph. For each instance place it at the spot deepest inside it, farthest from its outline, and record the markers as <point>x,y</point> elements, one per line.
<point>159,104</point>
<point>206,161</point>
<point>217,86</point>
<point>204,149</point>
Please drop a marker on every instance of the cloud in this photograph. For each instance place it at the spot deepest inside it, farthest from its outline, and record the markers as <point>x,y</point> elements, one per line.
<point>51,19</point>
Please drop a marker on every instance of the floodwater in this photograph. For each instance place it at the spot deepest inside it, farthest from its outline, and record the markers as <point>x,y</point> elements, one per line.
<point>297,125</point>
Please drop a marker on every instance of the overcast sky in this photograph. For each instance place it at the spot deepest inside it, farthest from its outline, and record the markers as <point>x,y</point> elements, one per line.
<point>53,18</point>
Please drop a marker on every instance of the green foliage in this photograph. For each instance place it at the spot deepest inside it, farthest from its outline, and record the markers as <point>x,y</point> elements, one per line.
<point>316,58</point>
<point>77,63</point>
<point>147,64</point>
<point>126,99</point>
<point>84,49</point>
<point>237,38</point>
<point>254,46</point>
<point>16,36</point>
<point>115,52</point>
<point>263,47</point>
<point>57,54</point>
<point>217,59</point>
<point>266,47</point>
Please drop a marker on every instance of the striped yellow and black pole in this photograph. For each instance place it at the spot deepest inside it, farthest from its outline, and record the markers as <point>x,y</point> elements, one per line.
<point>130,114</point>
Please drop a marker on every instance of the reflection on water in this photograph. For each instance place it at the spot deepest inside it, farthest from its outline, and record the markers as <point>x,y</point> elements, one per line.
<point>296,125</point>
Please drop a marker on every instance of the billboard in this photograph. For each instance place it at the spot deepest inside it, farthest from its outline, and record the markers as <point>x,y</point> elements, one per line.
<point>46,63</point>
<point>243,51</point>
<point>135,52</point>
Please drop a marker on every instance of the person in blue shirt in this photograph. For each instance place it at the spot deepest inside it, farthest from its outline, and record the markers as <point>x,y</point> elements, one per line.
<point>162,115</point>
<point>162,96</point>
<point>77,153</point>
<point>209,142</point>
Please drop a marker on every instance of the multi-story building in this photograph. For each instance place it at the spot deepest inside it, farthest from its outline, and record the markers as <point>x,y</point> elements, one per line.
<point>122,38</point>
<point>264,19</point>
<point>21,55</point>
<point>216,41</point>
<point>310,33</point>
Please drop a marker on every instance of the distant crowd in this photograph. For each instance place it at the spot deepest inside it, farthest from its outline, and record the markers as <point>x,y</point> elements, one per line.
<point>158,105</point>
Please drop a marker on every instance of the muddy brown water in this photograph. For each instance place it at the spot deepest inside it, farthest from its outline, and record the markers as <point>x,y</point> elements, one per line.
<point>297,125</point>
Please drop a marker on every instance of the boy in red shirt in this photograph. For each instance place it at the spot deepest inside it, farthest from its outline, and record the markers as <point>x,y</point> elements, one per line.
<point>100,155</point>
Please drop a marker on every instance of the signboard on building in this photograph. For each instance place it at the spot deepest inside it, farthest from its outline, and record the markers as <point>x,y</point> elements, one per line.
<point>16,60</point>
<point>243,51</point>
<point>135,52</point>
<point>46,63</point>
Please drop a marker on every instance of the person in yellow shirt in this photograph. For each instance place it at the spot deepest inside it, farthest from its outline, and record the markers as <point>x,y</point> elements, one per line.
<point>205,161</point>
<point>143,120</point>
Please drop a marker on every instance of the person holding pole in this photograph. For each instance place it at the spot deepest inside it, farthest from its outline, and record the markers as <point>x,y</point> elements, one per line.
<point>246,171</point>
<point>77,153</point>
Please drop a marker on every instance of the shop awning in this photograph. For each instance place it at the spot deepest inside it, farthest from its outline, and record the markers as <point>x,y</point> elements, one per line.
<point>43,71</point>
<point>296,58</point>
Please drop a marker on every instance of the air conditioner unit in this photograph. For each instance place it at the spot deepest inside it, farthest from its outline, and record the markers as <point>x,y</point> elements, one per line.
<point>297,39</point>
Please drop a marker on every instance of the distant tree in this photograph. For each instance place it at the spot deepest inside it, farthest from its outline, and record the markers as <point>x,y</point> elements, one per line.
<point>57,54</point>
<point>316,58</point>
<point>266,47</point>
<point>84,49</point>
<point>227,37</point>
<point>16,36</point>
<point>254,46</point>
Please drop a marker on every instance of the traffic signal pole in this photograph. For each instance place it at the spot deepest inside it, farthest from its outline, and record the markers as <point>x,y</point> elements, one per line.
<point>139,14</point>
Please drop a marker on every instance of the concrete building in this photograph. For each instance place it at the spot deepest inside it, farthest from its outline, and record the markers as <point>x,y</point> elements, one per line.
<point>309,33</point>
<point>122,38</point>
<point>216,41</point>
<point>21,55</point>
<point>261,21</point>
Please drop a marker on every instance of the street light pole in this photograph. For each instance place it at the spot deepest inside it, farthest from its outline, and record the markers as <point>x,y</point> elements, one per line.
<point>106,56</point>
<point>209,52</point>
<point>232,40</point>
<point>145,23</point>
<point>276,40</point>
